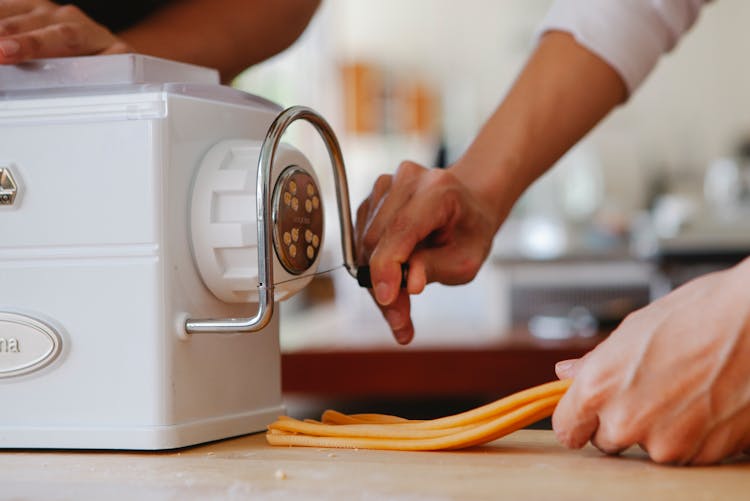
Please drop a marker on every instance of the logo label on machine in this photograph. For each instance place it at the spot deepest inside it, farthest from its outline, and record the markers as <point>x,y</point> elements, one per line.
<point>8,187</point>
<point>26,344</point>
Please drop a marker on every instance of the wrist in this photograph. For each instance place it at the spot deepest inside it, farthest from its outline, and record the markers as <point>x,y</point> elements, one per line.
<point>495,181</point>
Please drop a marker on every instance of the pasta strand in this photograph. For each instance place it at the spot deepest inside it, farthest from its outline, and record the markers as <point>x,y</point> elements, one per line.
<point>379,431</point>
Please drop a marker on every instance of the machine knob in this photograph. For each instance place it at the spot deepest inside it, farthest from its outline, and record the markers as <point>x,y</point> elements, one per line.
<point>224,222</point>
<point>297,220</point>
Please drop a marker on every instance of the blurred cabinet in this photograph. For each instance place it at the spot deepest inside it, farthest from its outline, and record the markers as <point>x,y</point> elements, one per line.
<point>518,361</point>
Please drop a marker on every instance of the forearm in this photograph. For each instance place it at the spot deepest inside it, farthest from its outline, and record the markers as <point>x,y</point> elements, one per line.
<point>561,94</point>
<point>228,35</point>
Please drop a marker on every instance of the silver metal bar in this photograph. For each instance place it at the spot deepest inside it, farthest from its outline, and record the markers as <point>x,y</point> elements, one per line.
<point>265,230</point>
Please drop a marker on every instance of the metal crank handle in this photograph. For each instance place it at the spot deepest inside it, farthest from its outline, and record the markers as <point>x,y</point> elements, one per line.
<point>265,252</point>
<point>365,280</point>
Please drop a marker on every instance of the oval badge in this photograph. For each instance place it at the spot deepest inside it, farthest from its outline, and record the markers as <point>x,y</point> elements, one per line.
<point>26,344</point>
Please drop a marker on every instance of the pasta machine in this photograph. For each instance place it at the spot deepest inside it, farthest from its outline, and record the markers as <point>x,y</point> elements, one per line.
<point>150,219</point>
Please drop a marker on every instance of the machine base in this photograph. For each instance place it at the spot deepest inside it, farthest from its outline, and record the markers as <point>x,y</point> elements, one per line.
<point>139,438</point>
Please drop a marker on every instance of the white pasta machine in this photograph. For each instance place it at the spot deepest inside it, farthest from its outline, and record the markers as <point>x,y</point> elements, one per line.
<point>150,218</point>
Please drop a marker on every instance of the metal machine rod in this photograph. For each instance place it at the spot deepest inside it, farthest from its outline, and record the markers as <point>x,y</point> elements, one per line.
<point>265,230</point>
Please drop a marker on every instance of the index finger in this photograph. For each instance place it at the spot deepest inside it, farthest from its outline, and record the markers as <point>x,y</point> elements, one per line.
<point>575,419</point>
<point>366,212</point>
<point>416,220</point>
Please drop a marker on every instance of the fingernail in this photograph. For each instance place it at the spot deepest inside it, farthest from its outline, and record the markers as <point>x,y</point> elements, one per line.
<point>381,292</point>
<point>395,319</point>
<point>9,47</point>
<point>561,437</point>
<point>402,337</point>
<point>564,367</point>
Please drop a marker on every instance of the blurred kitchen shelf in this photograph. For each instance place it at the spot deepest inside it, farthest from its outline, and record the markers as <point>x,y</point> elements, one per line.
<point>514,362</point>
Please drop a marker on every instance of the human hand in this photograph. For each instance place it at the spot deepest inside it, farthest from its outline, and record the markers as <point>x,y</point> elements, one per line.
<point>33,29</point>
<point>429,219</point>
<point>674,377</point>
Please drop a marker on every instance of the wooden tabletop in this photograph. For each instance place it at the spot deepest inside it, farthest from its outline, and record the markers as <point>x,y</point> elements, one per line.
<point>525,465</point>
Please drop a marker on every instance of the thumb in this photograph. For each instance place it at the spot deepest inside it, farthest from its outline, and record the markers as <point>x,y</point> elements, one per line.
<point>452,264</point>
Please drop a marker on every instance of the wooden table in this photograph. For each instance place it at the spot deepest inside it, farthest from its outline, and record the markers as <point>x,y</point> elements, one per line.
<point>525,465</point>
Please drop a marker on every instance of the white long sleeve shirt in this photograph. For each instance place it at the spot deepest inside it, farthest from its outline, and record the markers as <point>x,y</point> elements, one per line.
<point>630,35</point>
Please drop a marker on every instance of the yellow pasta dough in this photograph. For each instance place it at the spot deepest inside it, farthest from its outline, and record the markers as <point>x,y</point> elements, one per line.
<point>378,431</point>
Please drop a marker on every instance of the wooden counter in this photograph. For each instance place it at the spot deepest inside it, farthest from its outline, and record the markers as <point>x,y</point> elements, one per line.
<point>527,464</point>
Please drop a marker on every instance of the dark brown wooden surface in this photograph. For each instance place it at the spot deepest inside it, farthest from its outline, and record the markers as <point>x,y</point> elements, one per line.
<point>515,363</point>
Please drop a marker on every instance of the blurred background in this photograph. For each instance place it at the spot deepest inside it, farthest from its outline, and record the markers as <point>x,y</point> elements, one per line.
<point>657,194</point>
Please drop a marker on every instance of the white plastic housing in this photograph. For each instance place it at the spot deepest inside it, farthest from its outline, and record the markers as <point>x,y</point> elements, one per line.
<point>98,251</point>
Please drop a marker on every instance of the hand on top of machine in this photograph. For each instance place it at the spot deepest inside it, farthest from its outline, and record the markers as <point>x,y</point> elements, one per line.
<point>33,29</point>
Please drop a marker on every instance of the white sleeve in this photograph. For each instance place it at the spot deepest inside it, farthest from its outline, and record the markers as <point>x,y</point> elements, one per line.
<point>630,35</point>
